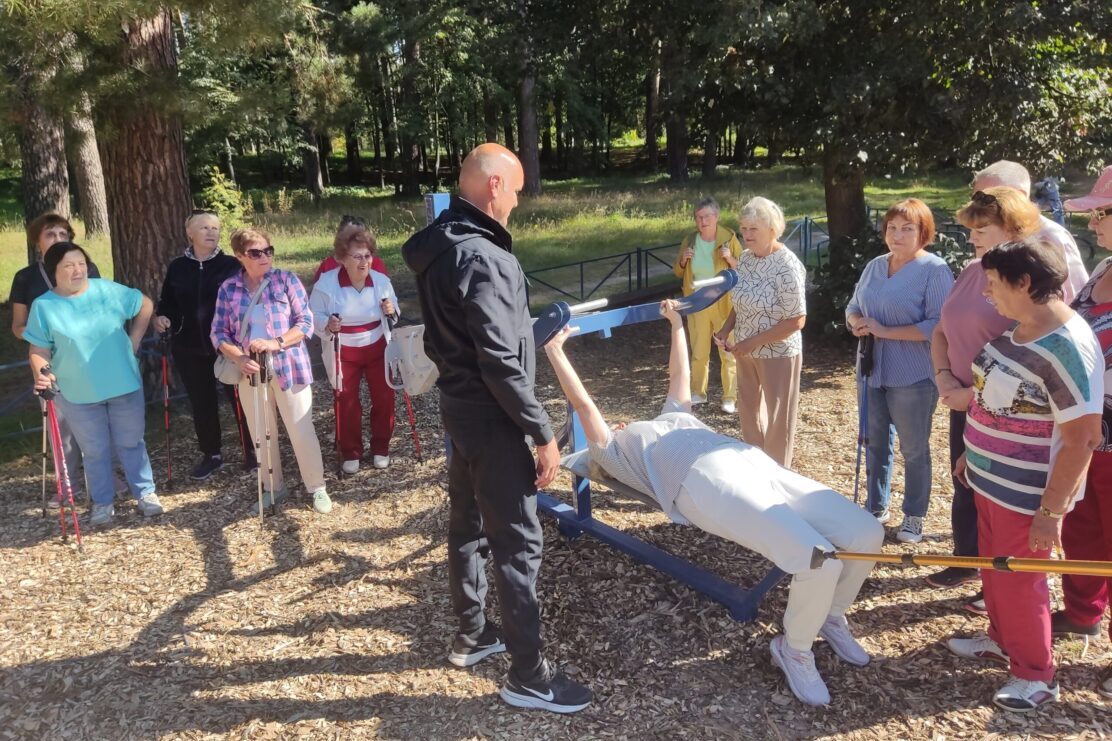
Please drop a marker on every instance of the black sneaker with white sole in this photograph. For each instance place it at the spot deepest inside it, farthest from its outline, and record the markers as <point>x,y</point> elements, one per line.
<point>467,651</point>
<point>551,690</point>
<point>209,465</point>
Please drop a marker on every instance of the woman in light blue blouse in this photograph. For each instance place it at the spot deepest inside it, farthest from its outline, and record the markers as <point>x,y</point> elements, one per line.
<point>898,301</point>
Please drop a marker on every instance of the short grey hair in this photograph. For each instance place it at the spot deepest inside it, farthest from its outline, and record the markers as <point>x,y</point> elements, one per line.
<point>1008,174</point>
<point>707,202</point>
<point>767,213</point>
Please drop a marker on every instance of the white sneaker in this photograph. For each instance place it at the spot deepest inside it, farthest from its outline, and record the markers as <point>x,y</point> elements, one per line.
<point>882,517</point>
<point>381,461</point>
<point>102,514</point>
<point>729,407</point>
<point>799,669</point>
<point>149,506</point>
<point>979,646</point>
<point>350,467</point>
<point>1025,695</point>
<point>836,632</point>
<point>698,399</point>
<point>322,503</point>
<point>911,530</point>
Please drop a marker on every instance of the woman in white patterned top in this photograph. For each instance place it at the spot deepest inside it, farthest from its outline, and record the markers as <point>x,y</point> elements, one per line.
<point>763,331</point>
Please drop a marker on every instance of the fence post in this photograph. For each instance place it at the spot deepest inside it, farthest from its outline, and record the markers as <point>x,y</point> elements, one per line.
<point>639,268</point>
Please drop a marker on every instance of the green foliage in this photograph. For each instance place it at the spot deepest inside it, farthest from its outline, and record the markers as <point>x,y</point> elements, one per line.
<point>834,282</point>
<point>223,197</point>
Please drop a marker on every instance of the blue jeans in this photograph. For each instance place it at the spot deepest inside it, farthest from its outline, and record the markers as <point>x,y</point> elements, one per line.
<point>117,423</point>
<point>910,409</point>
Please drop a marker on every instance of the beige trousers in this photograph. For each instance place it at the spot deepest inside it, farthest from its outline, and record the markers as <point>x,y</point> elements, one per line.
<point>768,404</point>
<point>296,407</point>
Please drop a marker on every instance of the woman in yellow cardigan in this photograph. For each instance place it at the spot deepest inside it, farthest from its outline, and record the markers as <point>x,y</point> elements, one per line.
<point>703,254</point>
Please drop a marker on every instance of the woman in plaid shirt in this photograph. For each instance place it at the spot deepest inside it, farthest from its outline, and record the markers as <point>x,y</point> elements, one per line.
<point>277,325</point>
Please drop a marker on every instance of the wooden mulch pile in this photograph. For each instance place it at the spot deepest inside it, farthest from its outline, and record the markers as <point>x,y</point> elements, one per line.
<point>202,624</point>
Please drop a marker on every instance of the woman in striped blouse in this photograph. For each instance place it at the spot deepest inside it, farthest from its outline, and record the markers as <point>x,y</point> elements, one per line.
<point>898,301</point>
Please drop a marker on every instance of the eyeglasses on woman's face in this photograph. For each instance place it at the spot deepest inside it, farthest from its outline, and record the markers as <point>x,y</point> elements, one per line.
<point>360,257</point>
<point>257,254</point>
<point>1097,215</point>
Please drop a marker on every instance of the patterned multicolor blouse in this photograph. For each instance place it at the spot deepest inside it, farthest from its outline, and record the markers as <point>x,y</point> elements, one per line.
<point>1099,317</point>
<point>769,290</point>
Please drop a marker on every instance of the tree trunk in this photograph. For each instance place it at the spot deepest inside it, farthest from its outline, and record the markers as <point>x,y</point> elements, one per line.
<point>351,148</point>
<point>324,146</point>
<point>527,129</point>
<point>710,143</point>
<point>310,161</point>
<point>558,113</point>
<point>227,159</point>
<point>411,121</point>
<point>675,125</point>
<point>490,114</point>
<point>145,174</point>
<point>42,151</point>
<point>81,141</point>
<point>652,112</point>
<point>676,130</point>
<point>546,137</point>
<point>508,125</point>
<point>844,185</point>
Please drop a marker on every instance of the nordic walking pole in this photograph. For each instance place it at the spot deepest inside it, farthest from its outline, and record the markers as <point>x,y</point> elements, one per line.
<point>164,346</point>
<point>1002,563</point>
<point>264,379</point>
<point>42,403</point>
<point>865,365</point>
<point>338,387</point>
<point>391,320</point>
<point>253,380</point>
<point>61,472</point>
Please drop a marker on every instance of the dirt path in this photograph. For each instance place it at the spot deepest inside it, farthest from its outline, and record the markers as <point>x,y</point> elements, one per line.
<point>199,624</point>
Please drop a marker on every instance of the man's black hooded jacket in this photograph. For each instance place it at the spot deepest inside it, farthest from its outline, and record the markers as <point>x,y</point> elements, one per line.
<point>476,313</point>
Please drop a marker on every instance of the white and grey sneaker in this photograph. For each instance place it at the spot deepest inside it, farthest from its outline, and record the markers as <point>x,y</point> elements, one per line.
<point>381,461</point>
<point>836,632</point>
<point>1025,695</point>
<point>911,530</point>
<point>350,467</point>
<point>149,506</point>
<point>729,407</point>
<point>979,646</point>
<point>322,503</point>
<point>102,514</point>
<point>698,399</point>
<point>883,516</point>
<point>799,669</point>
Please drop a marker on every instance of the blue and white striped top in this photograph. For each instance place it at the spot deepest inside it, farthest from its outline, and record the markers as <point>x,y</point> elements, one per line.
<point>914,295</point>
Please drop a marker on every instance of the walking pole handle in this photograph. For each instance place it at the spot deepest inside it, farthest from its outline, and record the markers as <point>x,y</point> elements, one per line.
<point>865,349</point>
<point>48,393</point>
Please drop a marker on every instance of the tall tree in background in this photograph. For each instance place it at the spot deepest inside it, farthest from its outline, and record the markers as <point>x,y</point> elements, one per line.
<point>81,142</point>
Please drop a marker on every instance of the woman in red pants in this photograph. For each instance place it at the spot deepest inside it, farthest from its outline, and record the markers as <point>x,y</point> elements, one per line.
<point>1087,532</point>
<point>352,302</point>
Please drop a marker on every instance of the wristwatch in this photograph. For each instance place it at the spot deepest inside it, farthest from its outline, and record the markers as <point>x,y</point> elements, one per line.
<point>281,343</point>
<point>1050,514</point>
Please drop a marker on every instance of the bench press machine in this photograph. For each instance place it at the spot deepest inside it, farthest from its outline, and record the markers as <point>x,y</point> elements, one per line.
<point>574,521</point>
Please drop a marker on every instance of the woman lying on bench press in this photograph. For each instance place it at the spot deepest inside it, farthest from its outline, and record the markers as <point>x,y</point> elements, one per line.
<point>735,491</point>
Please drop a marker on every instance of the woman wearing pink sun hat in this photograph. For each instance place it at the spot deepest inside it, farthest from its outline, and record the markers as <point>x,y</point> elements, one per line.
<point>1087,530</point>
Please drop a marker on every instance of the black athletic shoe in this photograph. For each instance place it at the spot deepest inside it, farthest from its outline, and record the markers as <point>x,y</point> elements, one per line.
<point>468,651</point>
<point>209,465</point>
<point>1060,625</point>
<point>552,690</point>
<point>952,576</point>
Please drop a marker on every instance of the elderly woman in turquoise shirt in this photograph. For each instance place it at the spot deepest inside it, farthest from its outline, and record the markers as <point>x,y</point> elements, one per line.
<point>77,329</point>
<point>898,301</point>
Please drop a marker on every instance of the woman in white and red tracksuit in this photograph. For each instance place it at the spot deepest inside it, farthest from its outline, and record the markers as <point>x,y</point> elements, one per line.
<point>354,301</point>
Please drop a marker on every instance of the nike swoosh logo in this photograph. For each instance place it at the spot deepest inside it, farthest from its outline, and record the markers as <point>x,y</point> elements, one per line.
<point>546,696</point>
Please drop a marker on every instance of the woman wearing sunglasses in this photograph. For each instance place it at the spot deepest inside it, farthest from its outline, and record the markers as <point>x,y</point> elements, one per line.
<point>351,306</point>
<point>1087,531</point>
<point>969,320</point>
<point>263,310</point>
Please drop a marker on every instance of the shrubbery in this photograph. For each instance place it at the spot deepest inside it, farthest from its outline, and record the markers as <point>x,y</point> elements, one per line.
<point>225,199</point>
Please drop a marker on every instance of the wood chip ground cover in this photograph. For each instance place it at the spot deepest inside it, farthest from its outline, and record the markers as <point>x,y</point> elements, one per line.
<point>202,624</point>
